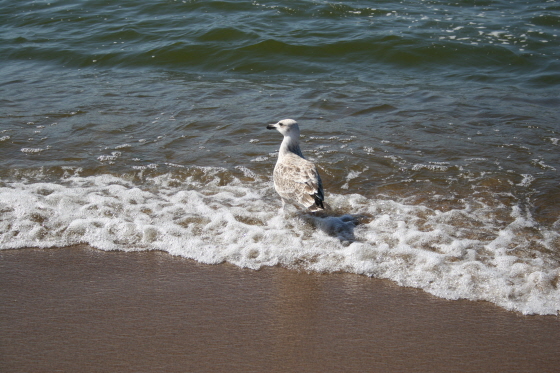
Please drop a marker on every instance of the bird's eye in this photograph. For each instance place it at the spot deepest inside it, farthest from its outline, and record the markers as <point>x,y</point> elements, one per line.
<point>280,123</point>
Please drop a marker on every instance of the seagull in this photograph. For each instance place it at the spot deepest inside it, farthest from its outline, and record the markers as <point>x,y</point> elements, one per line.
<point>295,178</point>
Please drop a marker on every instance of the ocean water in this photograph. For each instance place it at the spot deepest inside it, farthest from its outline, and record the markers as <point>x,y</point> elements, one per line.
<point>139,125</point>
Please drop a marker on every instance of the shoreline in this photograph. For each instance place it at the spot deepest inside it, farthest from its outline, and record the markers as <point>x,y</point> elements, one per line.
<point>79,308</point>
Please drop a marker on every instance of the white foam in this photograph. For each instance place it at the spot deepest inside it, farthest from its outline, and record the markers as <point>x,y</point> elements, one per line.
<point>527,180</point>
<point>32,150</point>
<point>431,167</point>
<point>109,158</point>
<point>123,146</point>
<point>352,175</point>
<point>214,216</point>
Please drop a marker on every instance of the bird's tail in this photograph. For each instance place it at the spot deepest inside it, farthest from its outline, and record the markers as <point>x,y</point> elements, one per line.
<point>318,205</point>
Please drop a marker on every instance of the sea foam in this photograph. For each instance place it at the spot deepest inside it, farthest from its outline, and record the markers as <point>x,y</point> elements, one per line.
<point>213,216</point>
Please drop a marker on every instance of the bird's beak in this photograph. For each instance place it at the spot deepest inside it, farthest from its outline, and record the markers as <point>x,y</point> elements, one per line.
<point>271,126</point>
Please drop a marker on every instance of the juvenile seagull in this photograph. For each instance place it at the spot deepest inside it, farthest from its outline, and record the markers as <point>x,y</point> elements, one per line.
<point>295,178</point>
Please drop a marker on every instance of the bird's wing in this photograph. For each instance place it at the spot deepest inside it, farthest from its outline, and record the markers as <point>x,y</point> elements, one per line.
<point>298,176</point>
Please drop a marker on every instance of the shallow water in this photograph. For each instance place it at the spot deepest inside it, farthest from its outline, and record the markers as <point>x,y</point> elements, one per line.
<point>435,126</point>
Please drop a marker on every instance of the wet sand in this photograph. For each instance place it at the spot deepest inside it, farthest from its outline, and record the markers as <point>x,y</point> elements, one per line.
<point>80,309</point>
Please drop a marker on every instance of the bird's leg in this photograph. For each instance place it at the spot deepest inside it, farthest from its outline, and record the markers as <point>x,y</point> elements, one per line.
<point>282,209</point>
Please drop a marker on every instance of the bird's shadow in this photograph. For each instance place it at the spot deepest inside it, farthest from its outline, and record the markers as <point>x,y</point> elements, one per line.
<point>335,225</point>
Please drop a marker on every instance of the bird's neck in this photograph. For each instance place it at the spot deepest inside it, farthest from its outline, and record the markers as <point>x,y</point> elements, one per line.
<point>290,145</point>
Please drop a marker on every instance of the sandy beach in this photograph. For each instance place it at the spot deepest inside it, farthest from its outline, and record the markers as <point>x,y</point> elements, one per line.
<point>80,309</point>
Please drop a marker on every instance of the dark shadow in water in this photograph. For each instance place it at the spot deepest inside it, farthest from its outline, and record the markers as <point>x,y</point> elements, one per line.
<point>339,226</point>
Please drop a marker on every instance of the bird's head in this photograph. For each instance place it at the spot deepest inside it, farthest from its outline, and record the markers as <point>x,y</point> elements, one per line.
<point>287,127</point>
